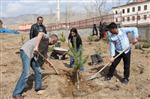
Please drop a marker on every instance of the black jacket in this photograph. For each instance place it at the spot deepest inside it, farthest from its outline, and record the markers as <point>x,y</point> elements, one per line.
<point>78,41</point>
<point>35,29</point>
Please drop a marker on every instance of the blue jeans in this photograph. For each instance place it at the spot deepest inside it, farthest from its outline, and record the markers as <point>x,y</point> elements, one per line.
<point>71,61</point>
<point>22,82</point>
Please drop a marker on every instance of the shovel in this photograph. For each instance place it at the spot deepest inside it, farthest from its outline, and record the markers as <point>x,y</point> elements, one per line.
<point>50,64</point>
<point>95,75</point>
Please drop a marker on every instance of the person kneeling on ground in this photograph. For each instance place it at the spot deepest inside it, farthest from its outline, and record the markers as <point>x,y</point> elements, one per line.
<point>119,41</point>
<point>27,53</point>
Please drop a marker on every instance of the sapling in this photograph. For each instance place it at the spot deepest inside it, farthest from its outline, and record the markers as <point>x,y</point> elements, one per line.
<point>79,61</point>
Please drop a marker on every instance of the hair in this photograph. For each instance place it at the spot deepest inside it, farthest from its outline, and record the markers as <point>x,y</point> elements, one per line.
<point>54,35</point>
<point>39,17</point>
<point>94,25</point>
<point>112,25</point>
<point>73,30</point>
<point>78,38</point>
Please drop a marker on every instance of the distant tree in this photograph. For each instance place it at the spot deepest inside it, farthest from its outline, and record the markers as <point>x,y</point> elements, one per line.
<point>95,8</point>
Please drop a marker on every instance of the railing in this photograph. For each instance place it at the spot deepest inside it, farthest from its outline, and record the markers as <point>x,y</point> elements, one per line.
<point>81,24</point>
<point>88,23</point>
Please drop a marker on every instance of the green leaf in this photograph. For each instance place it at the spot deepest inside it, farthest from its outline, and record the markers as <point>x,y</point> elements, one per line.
<point>62,37</point>
<point>79,60</point>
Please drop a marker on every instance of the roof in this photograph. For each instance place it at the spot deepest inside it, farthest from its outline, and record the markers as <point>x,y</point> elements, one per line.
<point>132,3</point>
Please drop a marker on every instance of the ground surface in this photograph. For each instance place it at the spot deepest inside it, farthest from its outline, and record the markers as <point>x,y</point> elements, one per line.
<point>60,86</point>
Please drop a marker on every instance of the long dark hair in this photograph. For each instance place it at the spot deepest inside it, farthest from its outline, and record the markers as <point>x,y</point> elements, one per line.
<point>78,38</point>
<point>73,30</point>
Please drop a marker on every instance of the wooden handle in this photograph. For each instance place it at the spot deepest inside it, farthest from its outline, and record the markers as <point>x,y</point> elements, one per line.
<point>94,76</point>
<point>50,64</point>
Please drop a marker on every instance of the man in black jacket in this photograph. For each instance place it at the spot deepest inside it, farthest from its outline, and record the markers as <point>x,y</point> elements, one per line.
<point>37,27</point>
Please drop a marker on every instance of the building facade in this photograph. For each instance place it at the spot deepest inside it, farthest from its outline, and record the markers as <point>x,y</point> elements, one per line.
<point>133,14</point>
<point>136,13</point>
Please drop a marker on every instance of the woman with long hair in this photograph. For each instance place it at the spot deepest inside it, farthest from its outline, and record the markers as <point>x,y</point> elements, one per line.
<point>76,42</point>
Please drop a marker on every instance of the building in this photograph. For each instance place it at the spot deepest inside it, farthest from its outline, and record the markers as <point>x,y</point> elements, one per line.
<point>136,13</point>
<point>24,27</point>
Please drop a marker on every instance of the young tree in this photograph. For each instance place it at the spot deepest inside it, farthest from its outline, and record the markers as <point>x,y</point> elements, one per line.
<point>79,61</point>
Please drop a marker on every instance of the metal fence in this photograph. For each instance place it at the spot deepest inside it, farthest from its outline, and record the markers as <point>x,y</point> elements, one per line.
<point>81,24</point>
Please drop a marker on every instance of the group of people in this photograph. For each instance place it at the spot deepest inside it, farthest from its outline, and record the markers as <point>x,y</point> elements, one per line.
<point>102,30</point>
<point>40,40</point>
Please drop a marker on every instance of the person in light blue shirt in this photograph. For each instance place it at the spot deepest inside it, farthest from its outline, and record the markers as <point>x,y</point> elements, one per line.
<point>118,40</point>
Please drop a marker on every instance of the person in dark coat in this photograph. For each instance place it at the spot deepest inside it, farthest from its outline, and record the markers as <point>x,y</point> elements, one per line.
<point>74,38</point>
<point>74,35</point>
<point>102,30</point>
<point>37,27</point>
<point>34,31</point>
<point>95,32</point>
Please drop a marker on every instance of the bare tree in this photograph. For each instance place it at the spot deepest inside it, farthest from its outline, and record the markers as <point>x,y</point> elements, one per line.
<point>95,8</point>
<point>99,4</point>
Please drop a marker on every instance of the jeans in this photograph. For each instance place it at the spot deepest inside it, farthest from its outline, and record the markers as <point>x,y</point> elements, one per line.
<point>22,82</point>
<point>72,63</point>
<point>126,60</point>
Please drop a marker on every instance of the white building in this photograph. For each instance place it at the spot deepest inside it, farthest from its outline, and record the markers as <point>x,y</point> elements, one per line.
<point>135,13</point>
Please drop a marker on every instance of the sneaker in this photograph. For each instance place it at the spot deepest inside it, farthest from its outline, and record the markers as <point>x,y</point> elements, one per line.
<point>125,80</point>
<point>41,90</point>
<point>82,68</point>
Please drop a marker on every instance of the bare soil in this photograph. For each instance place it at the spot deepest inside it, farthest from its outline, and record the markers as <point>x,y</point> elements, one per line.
<point>61,86</point>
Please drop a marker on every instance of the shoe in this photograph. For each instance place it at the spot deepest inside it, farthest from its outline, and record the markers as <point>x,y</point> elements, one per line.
<point>108,78</point>
<point>41,90</point>
<point>82,68</point>
<point>125,80</point>
<point>18,97</point>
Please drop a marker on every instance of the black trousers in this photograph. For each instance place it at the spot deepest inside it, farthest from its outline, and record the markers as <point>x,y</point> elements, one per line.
<point>126,60</point>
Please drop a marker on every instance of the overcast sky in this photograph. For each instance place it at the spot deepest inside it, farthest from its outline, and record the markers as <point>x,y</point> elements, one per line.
<point>12,8</point>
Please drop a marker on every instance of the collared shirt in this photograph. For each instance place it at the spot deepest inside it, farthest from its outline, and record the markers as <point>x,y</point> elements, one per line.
<point>120,41</point>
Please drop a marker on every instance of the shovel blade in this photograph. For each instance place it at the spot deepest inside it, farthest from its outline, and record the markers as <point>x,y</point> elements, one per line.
<point>91,77</point>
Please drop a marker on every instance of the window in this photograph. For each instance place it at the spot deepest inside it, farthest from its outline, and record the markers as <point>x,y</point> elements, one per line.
<point>123,19</point>
<point>128,18</point>
<point>123,11</point>
<point>116,19</point>
<point>145,7</point>
<point>139,8</point>
<point>133,9</point>
<point>116,12</point>
<point>138,17</point>
<point>128,10</point>
<point>145,17</point>
<point>133,18</point>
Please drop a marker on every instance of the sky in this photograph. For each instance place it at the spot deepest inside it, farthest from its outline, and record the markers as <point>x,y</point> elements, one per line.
<point>12,8</point>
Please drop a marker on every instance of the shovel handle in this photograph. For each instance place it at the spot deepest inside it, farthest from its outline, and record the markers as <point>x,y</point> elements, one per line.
<point>94,76</point>
<point>50,64</point>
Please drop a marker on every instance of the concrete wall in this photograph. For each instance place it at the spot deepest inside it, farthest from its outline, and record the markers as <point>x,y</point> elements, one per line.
<point>144,33</point>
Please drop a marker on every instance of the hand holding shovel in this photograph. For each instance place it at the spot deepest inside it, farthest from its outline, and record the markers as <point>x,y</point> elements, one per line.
<point>50,64</point>
<point>95,75</point>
